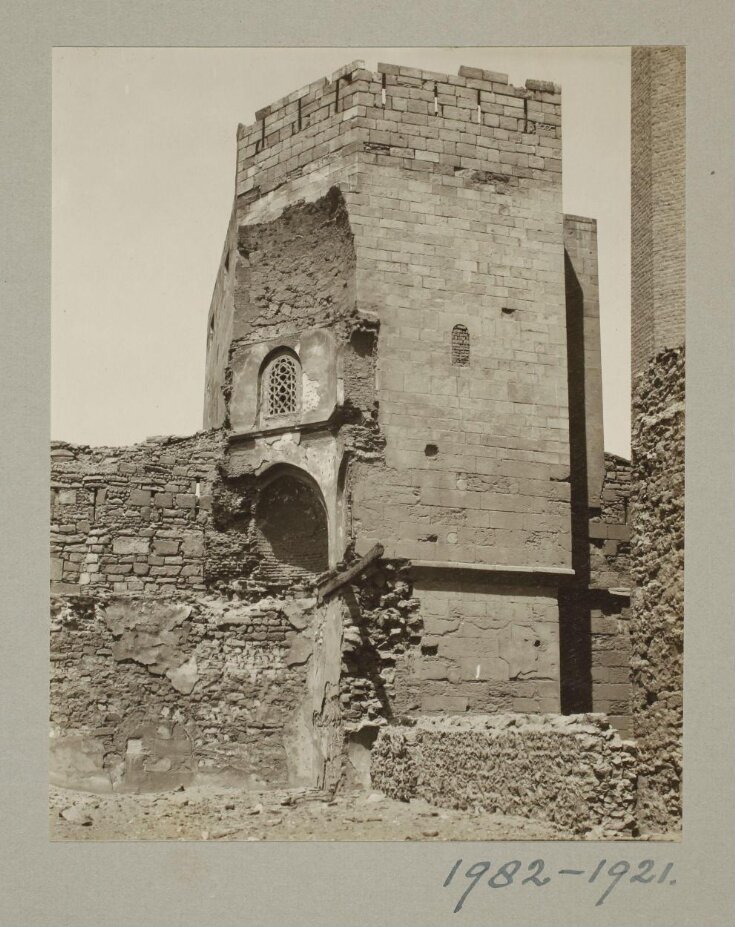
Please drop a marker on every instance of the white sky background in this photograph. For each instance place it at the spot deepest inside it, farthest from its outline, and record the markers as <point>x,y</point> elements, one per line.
<point>143,180</point>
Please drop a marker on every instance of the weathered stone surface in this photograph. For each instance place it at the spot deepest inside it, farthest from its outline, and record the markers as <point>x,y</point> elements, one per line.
<point>657,623</point>
<point>299,651</point>
<point>184,677</point>
<point>575,772</point>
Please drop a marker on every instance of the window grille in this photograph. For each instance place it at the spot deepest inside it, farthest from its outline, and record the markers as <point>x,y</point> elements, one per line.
<point>460,346</point>
<point>281,386</point>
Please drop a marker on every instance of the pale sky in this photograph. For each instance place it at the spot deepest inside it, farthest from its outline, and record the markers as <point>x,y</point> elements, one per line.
<point>143,173</point>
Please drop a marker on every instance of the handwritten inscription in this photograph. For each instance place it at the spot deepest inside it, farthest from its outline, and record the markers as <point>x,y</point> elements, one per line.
<point>535,874</point>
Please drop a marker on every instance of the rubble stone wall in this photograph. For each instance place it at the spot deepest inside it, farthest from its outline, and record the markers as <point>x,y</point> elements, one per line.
<point>575,772</point>
<point>132,519</point>
<point>657,623</point>
<point>152,693</point>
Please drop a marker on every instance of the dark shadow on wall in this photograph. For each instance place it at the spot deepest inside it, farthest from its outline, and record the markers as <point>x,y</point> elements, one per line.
<point>575,632</point>
<point>293,536</point>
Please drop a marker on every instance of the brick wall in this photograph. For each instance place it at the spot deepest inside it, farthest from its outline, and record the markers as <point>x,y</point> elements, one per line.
<point>292,532</point>
<point>658,201</point>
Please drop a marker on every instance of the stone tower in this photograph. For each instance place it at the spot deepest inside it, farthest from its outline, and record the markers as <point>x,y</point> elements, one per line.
<point>403,347</point>
<point>400,505</point>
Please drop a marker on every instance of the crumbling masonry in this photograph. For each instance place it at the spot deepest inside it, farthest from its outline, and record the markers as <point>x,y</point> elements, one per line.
<point>658,298</point>
<point>400,507</point>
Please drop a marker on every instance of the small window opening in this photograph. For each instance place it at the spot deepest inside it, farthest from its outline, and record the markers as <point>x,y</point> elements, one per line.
<point>431,450</point>
<point>382,91</point>
<point>460,346</point>
<point>281,392</point>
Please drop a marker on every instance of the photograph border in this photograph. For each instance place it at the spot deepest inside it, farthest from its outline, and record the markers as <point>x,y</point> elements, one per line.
<point>381,883</point>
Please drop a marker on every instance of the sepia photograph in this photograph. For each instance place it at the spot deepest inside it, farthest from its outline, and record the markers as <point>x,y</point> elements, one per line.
<point>367,444</point>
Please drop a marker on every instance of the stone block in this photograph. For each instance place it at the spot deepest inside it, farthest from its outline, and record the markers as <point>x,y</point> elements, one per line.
<point>448,703</point>
<point>130,545</point>
<point>65,588</point>
<point>428,668</point>
<point>193,546</point>
<point>164,547</point>
<point>483,667</point>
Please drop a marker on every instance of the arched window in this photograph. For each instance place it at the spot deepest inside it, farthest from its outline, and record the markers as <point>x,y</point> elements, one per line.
<point>460,346</point>
<point>281,385</point>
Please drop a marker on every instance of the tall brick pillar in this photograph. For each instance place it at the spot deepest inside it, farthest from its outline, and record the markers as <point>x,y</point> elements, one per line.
<point>658,295</point>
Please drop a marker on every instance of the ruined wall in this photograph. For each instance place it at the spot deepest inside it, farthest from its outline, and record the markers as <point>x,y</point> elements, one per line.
<point>574,772</point>
<point>658,282</point>
<point>219,330</point>
<point>155,693</point>
<point>149,694</point>
<point>657,623</point>
<point>296,271</point>
<point>609,528</point>
<point>170,661</point>
<point>658,154</point>
<point>132,519</point>
<point>595,606</point>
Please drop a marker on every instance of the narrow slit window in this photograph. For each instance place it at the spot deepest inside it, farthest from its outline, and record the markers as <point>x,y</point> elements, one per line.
<point>460,346</point>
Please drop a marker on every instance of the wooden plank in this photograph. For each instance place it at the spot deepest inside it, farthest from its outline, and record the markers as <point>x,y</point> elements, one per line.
<point>341,579</point>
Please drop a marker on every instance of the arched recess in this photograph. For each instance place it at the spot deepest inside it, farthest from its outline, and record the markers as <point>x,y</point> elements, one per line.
<point>291,526</point>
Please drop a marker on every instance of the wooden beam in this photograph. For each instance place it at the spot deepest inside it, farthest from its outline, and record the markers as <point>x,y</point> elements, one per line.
<point>341,579</point>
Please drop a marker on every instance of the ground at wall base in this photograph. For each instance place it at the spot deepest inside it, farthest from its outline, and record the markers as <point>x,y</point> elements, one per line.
<point>229,814</point>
